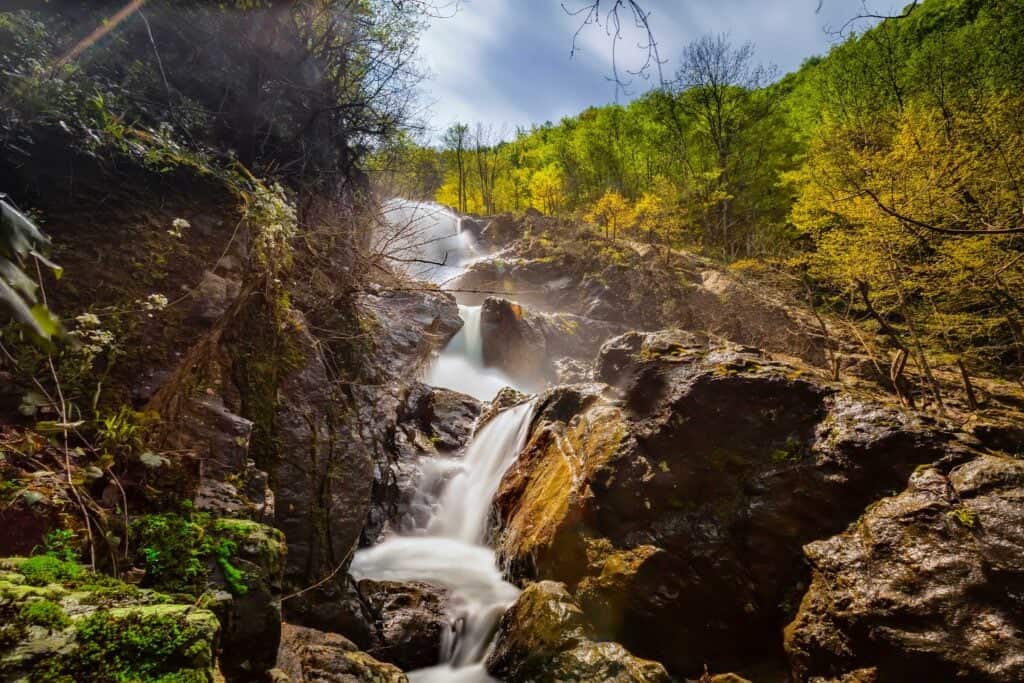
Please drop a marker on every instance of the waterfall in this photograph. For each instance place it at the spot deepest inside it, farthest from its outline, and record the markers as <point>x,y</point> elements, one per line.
<point>450,550</point>
<point>460,366</point>
<point>454,495</point>
<point>425,240</point>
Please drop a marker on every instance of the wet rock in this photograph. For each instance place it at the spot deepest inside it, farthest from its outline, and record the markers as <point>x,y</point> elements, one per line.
<point>248,609</point>
<point>411,326</point>
<point>445,418</point>
<point>431,423</point>
<point>544,636</point>
<point>336,607</point>
<point>410,619</point>
<point>230,485</point>
<point>572,371</point>
<point>310,656</point>
<point>675,499</point>
<point>500,231</point>
<point>514,342</point>
<point>528,345</point>
<point>927,585</point>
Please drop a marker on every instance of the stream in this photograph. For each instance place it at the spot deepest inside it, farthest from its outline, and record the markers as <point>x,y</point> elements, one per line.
<point>450,548</point>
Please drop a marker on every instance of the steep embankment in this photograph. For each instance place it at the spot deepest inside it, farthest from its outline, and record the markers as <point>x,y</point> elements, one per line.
<point>225,392</point>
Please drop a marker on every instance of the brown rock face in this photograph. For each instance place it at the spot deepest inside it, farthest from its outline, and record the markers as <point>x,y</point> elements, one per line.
<point>513,342</point>
<point>928,585</point>
<point>675,502</point>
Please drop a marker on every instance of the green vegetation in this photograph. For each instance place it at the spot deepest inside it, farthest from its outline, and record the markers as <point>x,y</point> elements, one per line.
<point>41,570</point>
<point>964,516</point>
<point>177,550</point>
<point>44,613</point>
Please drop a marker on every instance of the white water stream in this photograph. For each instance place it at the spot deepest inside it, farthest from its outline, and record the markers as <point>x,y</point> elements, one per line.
<point>450,548</point>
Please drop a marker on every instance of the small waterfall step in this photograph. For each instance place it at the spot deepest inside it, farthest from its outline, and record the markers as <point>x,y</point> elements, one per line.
<point>451,552</point>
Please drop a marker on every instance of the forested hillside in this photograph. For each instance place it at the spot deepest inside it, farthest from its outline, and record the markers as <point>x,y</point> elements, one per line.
<point>888,173</point>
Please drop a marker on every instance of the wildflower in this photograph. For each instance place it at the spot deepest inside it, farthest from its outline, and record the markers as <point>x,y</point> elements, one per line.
<point>177,226</point>
<point>155,302</point>
<point>87,320</point>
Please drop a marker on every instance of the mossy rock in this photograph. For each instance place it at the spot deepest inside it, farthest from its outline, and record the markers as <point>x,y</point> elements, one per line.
<point>69,624</point>
<point>258,543</point>
<point>545,638</point>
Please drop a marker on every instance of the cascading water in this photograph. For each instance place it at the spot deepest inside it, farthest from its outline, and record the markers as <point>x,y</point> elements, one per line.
<point>454,495</point>
<point>461,364</point>
<point>451,552</point>
<point>425,240</point>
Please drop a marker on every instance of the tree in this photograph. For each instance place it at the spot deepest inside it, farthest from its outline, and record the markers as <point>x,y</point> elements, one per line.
<point>456,140</point>
<point>612,212</point>
<point>720,89</point>
<point>547,189</point>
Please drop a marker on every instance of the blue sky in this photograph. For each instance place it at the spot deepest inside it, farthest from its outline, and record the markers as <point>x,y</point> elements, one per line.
<point>507,63</point>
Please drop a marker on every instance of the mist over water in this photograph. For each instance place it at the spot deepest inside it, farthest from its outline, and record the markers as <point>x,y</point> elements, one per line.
<point>425,240</point>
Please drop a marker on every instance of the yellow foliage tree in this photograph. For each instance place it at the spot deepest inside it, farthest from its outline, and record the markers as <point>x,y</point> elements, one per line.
<point>658,212</point>
<point>547,189</point>
<point>612,212</point>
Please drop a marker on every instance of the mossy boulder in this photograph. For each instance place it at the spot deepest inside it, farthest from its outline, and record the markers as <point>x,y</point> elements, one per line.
<point>60,622</point>
<point>544,637</point>
<point>237,566</point>
<point>927,585</point>
<point>674,498</point>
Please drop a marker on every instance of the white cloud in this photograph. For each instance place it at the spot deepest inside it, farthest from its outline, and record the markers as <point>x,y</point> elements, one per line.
<point>507,61</point>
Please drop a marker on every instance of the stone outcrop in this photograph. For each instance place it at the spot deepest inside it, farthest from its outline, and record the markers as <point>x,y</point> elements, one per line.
<point>628,286</point>
<point>513,342</point>
<point>310,656</point>
<point>533,347</point>
<point>544,637</point>
<point>410,619</point>
<point>927,585</point>
<point>430,422</point>
<point>674,498</point>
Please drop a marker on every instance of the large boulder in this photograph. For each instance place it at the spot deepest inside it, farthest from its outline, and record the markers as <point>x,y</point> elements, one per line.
<point>310,656</point>
<point>531,346</point>
<point>544,637</point>
<point>514,342</point>
<point>411,619</point>
<point>675,498</point>
<point>927,585</point>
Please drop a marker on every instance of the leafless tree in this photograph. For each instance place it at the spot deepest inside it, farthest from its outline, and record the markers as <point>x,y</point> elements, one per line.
<point>613,16</point>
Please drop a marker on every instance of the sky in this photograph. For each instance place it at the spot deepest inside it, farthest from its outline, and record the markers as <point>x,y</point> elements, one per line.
<point>507,62</point>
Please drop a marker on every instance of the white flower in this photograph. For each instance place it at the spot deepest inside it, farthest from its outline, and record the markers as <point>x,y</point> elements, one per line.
<point>177,225</point>
<point>88,320</point>
<point>155,302</point>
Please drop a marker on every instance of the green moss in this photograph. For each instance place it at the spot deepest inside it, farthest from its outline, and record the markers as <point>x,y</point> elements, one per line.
<point>964,516</point>
<point>178,551</point>
<point>44,613</point>
<point>171,548</point>
<point>45,569</point>
<point>790,452</point>
<point>159,643</point>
